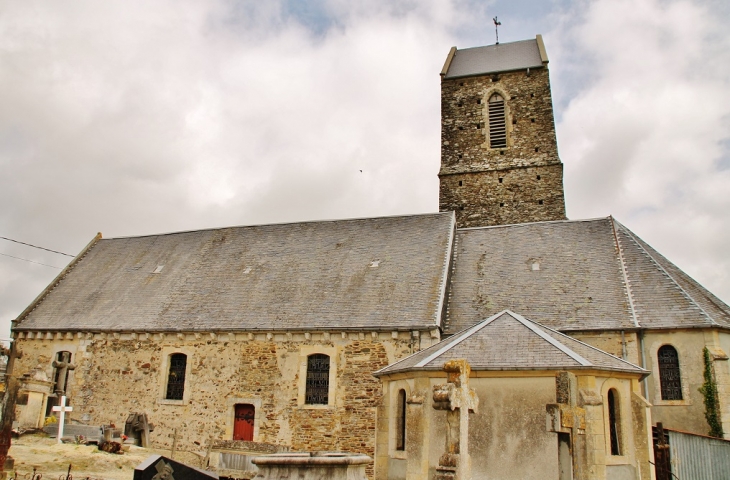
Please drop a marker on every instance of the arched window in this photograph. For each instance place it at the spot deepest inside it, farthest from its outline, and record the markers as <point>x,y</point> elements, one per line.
<point>400,421</point>
<point>176,376</point>
<point>318,379</point>
<point>497,122</point>
<point>669,378</point>
<point>614,421</point>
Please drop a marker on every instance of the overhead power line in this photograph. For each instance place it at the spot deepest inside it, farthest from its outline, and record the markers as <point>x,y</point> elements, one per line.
<point>35,246</point>
<point>31,261</point>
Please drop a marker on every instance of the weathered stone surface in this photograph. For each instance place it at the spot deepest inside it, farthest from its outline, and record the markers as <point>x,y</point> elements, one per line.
<point>522,182</point>
<point>312,466</point>
<point>117,376</point>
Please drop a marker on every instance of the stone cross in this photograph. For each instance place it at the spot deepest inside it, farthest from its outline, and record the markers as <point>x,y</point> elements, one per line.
<point>62,367</point>
<point>62,408</point>
<point>164,471</point>
<point>174,437</point>
<point>458,400</point>
<point>568,420</point>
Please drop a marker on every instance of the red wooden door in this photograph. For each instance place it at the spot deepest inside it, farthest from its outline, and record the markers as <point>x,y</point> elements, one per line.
<point>243,422</point>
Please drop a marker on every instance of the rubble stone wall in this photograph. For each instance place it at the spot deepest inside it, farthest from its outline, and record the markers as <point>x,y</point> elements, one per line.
<point>119,374</point>
<point>531,185</point>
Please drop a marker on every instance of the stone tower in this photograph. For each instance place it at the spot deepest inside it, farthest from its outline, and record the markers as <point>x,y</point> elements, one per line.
<point>499,154</point>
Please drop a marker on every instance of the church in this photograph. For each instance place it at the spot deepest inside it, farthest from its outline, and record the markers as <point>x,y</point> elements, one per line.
<point>330,335</point>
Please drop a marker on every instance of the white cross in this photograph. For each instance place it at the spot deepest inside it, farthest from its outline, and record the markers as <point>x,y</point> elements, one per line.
<point>62,417</point>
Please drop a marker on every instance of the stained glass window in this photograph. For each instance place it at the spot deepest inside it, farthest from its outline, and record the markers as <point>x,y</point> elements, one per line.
<point>318,379</point>
<point>176,376</point>
<point>400,421</point>
<point>669,377</point>
<point>614,422</point>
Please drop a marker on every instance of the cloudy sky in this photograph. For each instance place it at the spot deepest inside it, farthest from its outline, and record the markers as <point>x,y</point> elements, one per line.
<point>136,118</point>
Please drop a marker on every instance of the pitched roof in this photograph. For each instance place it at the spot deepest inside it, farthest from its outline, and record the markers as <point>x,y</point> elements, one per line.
<point>574,275</point>
<point>502,57</point>
<point>508,341</point>
<point>374,273</point>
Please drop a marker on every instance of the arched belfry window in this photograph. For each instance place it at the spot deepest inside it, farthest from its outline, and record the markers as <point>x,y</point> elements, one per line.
<point>669,377</point>
<point>497,122</point>
<point>614,421</point>
<point>400,421</point>
<point>318,379</point>
<point>176,376</point>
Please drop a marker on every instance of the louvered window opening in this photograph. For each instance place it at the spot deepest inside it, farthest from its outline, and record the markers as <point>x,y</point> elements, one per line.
<point>669,375</point>
<point>318,379</point>
<point>176,377</point>
<point>497,122</point>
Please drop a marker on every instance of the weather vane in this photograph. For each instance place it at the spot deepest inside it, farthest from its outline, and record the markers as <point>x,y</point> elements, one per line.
<point>497,23</point>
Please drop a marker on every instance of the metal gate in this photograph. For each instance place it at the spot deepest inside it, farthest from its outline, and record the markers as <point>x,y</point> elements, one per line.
<point>688,456</point>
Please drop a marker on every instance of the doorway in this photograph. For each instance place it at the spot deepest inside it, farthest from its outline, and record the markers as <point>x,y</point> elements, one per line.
<point>243,422</point>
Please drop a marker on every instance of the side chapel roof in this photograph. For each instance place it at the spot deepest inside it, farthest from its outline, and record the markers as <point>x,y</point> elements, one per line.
<point>508,341</point>
<point>373,273</point>
<point>574,275</point>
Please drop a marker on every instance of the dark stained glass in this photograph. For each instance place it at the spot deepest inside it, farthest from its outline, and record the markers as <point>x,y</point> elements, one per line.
<point>318,379</point>
<point>400,443</point>
<point>176,377</point>
<point>669,378</point>
<point>613,423</point>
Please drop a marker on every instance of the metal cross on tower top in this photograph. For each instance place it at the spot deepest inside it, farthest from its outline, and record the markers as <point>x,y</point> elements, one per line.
<point>497,23</point>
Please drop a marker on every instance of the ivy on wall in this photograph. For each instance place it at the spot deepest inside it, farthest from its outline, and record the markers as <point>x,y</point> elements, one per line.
<point>712,399</point>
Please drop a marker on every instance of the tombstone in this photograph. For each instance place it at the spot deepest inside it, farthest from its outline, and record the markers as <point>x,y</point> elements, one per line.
<point>458,400</point>
<point>138,429</point>
<point>62,409</point>
<point>157,467</point>
<point>62,367</point>
<point>568,420</point>
<point>312,466</point>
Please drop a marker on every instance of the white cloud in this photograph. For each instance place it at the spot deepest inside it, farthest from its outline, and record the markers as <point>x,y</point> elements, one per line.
<point>642,138</point>
<point>178,115</point>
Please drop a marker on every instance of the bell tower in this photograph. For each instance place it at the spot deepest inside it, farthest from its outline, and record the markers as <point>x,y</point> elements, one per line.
<point>499,154</point>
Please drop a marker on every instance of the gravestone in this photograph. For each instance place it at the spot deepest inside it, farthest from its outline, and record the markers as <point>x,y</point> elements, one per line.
<point>568,420</point>
<point>312,466</point>
<point>458,400</point>
<point>157,467</point>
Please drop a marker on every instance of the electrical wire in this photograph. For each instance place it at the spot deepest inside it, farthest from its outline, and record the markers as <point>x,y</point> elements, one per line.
<point>35,246</point>
<point>31,261</point>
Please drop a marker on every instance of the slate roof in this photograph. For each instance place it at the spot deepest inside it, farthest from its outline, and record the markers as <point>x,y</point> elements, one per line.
<point>502,57</point>
<point>508,341</point>
<point>374,273</point>
<point>573,276</point>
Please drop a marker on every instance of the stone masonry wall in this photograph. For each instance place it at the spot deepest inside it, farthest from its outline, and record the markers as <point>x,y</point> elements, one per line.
<point>119,374</point>
<point>466,156</point>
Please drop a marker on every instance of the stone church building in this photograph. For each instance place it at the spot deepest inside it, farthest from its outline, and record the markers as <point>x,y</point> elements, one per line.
<point>272,333</point>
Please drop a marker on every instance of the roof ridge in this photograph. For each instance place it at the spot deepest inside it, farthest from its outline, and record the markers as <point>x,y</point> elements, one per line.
<point>629,291</point>
<point>525,224</point>
<point>460,337</point>
<point>555,343</point>
<point>442,307</point>
<point>664,270</point>
<point>277,224</point>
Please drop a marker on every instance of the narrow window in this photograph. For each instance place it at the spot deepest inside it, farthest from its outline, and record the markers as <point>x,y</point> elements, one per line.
<point>400,422</point>
<point>62,366</point>
<point>614,419</point>
<point>497,122</point>
<point>176,376</point>
<point>318,379</point>
<point>669,378</point>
